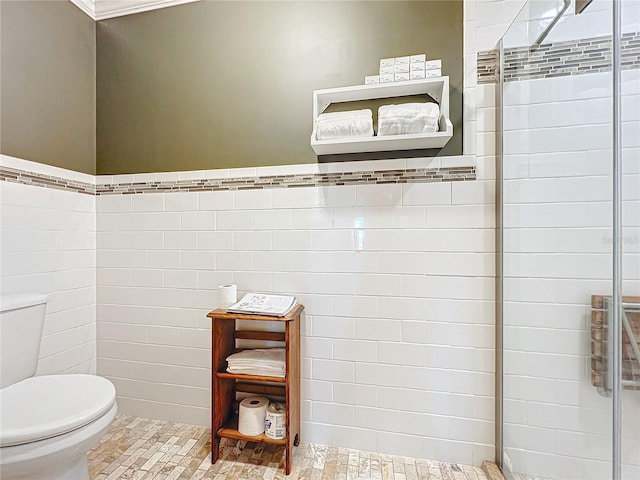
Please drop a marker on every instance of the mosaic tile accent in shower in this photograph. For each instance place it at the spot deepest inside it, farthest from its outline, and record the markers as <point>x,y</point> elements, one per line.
<point>559,59</point>
<point>487,64</point>
<point>40,180</point>
<point>409,175</point>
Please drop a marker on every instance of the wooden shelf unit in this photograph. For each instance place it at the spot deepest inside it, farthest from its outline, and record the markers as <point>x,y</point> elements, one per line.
<point>224,419</point>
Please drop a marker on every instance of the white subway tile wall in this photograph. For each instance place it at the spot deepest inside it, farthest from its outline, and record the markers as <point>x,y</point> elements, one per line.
<point>558,216</point>
<point>398,335</point>
<point>48,242</point>
<point>383,310</point>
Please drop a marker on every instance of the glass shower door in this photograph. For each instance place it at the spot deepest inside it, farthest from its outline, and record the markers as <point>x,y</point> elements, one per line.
<point>560,239</point>
<point>629,218</point>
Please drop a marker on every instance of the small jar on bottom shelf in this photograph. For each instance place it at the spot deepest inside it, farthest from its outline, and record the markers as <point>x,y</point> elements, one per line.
<point>274,423</point>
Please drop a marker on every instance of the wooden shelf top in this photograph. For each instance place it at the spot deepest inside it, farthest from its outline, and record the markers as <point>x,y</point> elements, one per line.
<point>255,378</point>
<point>230,430</point>
<point>221,314</point>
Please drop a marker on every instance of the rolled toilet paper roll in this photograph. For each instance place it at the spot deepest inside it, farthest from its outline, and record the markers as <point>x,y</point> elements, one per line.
<point>226,295</point>
<point>251,416</point>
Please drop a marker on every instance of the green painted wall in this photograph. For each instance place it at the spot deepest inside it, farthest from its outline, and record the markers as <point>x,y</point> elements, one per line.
<point>47,84</point>
<point>217,84</point>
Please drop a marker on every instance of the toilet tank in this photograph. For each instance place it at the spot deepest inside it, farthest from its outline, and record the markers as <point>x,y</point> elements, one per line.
<point>21,321</point>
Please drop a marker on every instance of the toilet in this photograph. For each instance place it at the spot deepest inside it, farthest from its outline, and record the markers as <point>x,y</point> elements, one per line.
<point>48,423</point>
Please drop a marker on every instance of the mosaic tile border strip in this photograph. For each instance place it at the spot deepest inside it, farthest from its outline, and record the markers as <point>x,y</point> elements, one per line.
<point>559,59</point>
<point>378,177</point>
<point>487,64</point>
<point>15,175</point>
<point>411,175</point>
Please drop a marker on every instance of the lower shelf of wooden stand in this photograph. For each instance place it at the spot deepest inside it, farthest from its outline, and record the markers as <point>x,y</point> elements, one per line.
<point>254,378</point>
<point>230,430</point>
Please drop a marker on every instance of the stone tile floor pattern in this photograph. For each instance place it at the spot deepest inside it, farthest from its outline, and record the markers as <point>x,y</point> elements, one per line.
<point>520,476</point>
<point>143,449</point>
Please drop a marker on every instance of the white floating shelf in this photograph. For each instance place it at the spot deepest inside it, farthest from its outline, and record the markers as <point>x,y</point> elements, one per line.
<point>437,88</point>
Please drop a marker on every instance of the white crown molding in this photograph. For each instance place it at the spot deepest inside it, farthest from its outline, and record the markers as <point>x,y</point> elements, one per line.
<point>104,9</point>
<point>86,6</point>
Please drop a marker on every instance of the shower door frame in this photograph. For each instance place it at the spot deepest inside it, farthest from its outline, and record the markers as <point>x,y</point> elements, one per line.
<point>616,320</point>
<point>499,199</point>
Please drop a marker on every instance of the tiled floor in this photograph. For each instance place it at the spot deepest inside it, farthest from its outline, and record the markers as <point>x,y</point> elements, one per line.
<point>521,476</point>
<point>143,449</point>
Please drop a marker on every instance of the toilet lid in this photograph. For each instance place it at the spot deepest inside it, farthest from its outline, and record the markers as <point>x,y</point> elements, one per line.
<point>43,407</point>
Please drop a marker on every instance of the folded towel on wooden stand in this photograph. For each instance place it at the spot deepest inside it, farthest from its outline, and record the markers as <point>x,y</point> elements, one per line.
<point>260,361</point>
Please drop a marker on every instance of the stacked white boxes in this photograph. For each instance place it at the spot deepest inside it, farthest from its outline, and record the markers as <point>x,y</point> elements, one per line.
<point>433,68</point>
<point>402,69</point>
<point>417,67</point>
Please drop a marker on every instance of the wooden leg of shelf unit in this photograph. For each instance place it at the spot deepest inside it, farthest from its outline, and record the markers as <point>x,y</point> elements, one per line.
<point>289,457</point>
<point>215,448</point>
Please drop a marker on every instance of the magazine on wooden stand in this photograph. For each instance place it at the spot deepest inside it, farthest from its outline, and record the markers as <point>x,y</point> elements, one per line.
<point>264,304</point>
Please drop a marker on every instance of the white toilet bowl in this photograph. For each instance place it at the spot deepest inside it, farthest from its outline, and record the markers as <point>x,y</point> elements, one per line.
<point>48,423</point>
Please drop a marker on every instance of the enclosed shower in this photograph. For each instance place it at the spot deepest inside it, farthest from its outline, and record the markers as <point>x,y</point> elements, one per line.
<point>568,93</point>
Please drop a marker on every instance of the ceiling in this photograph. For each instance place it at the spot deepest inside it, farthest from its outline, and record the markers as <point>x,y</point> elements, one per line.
<point>103,9</point>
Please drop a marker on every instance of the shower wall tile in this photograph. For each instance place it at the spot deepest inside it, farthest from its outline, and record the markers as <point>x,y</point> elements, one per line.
<point>486,119</point>
<point>629,134</point>
<point>469,136</point>
<point>486,96</point>
<point>563,238</point>
<point>558,245</point>
<point>569,164</point>
<point>559,190</point>
<point>486,167</point>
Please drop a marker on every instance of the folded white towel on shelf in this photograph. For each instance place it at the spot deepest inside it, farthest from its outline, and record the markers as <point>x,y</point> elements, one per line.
<point>261,361</point>
<point>274,355</point>
<point>354,123</point>
<point>258,372</point>
<point>408,118</point>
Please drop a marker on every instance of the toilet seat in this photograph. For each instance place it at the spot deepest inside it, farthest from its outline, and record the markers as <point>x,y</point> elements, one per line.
<point>42,407</point>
